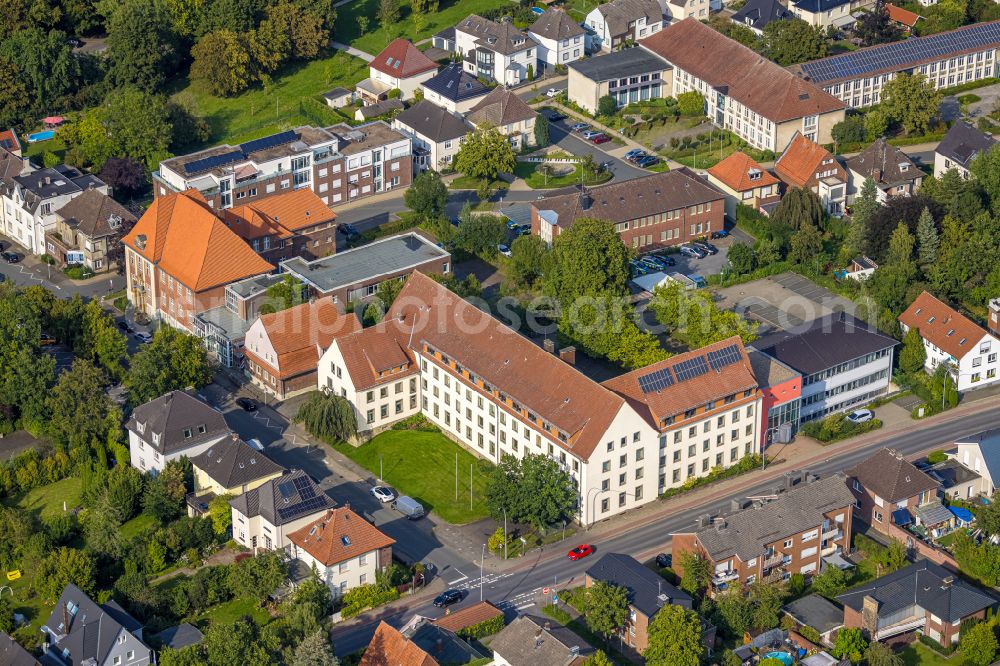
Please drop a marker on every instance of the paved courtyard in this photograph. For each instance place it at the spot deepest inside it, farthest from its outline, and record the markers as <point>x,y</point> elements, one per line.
<point>782,302</point>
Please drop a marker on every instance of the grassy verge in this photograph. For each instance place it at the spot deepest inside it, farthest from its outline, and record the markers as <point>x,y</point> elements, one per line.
<point>35,151</point>
<point>409,26</point>
<point>137,525</point>
<point>536,180</point>
<point>231,611</point>
<point>47,501</point>
<point>470,183</point>
<point>422,465</point>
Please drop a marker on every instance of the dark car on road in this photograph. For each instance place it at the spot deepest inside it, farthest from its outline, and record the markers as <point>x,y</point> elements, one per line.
<point>246,404</point>
<point>11,257</point>
<point>555,116</point>
<point>447,598</point>
<point>719,234</point>
<point>667,259</point>
<point>707,247</point>
<point>648,161</point>
<point>348,230</point>
<point>664,560</point>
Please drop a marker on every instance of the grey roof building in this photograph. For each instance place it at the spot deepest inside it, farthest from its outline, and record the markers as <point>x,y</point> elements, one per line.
<point>432,122</point>
<point>453,84</point>
<point>501,107</point>
<point>12,654</point>
<point>82,632</point>
<point>531,641</point>
<point>175,424</point>
<point>891,476</point>
<point>232,463</point>
<point>620,64</point>
<point>556,25</point>
<point>648,591</point>
<point>817,612</point>
<point>179,637</point>
<point>756,14</point>
<point>265,515</point>
<point>956,150</point>
<point>444,645</point>
<point>892,170</point>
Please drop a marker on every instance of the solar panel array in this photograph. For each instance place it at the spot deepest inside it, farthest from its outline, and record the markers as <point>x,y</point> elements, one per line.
<point>241,153</point>
<point>691,368</point>
<point>903,54</point>
<point>269,141</point>
<point>305,487</point>
<point>214,161</point>
<point>286,490</point>
<point>656,380</point>
<point>720,358</point>
<point>317,502</point>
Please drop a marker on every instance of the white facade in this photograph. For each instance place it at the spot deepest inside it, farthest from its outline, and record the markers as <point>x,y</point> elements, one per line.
<point>978,368</point>
<point>27,225</point>
<point>343,576</point>
<point>258,532</point>
<point>406,86</point>
<point>441,153</point>
<point>505,68</point>
<point>144,449</point>
<point>605,41</point>
<point>847,385</point>
<point>969,453</point>
<point>559,51</point>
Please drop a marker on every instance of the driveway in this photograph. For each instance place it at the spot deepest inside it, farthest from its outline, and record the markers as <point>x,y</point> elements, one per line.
<point>951,109</point>
<point>561,136</point>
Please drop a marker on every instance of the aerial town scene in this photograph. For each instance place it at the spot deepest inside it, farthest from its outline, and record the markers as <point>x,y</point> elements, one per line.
<point>499,332</point>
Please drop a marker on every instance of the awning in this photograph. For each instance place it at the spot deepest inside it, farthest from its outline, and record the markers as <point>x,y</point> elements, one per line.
<point>932,514</point>
<point>844,21</point>
<point>837,561</point>
<point>962,514</point>
<point>53,120</point>
<point>901,517</point>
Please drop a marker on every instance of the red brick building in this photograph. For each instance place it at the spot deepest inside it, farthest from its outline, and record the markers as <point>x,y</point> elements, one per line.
<point>279,227</point>
<point>890,490</point>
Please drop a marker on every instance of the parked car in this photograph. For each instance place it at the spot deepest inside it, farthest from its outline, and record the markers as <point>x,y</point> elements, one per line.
<point>124,327</point>
<point>719,234</point>
<point>648,161</point>
<point>143,337</point>
<point>46,339</point>
<point>3,278</point>
<point>409,507</point>
<point>383,494</point>
<point>11,257</point>
<point>860,416</point>
<point>605,165</point>
<point>578,127</point>
<point>447,598</point>
<point>634,153</point>
<point>246,404</point>
<point>601,138</point>
<point>348,230</point>
<point>255,444</point>
<point>504,250</point>
<point>667,259</point>
<point>522,229</point>
<point>590,134</point>
<point>692,251</point>
<point>580,552</point>
<point>555,116</point>
<point>707,247</point>
<point>638,155</point>
<point>637,268</point>
<point>552,92</point>
<point>653,263</point>
<point>699,281</point>
<point>3,246</point>
<point>663,560</point>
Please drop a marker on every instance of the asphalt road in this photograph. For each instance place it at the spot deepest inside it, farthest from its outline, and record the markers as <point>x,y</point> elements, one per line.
<point>523,588</point>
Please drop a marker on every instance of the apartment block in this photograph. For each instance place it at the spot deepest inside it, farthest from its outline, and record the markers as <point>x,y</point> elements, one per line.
<point>613,25</point>
<point>561,40</point>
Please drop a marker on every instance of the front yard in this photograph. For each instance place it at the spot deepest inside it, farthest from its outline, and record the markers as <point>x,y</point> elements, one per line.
<point>47,501</point>
<point>536,179</point>
<point>422,464</point>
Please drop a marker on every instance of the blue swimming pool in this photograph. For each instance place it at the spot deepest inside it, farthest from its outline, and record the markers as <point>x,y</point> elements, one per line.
<point>783,657</point>
<point>41,136</point>
<point>538,10</point>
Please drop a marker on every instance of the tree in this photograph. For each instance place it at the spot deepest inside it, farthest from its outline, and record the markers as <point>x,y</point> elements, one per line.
<point>736,611</point>
<point>741,258</point>
<point>532,489</point>
<point>485,154</point>
<point>691,103</point>
<point>315,650</point>
<point>15,102</point>
<point>985,166</point>
<point>46,65</point>
<point>875,27</point>
<point>236,643</point>
<point>696,572</point>
<point>589,259</point>
<point>692,317</point>
<point>173,360</point>
<point>79,407</point>
<point>807,242</point>
<point>849,130</point>
<point>541,131</point>
<point>126,175</point>
<point>529,259</point>
<point>221,62</point>
<point>62,567</point>
<point>599,658</point>
<point>879,654</point>
<point>792,41</point>
<point>606,608</point>
<point>163,498</point>
<point>675,638</point>
<point>799,206</point>
<point>607,106</point>
<point>849,644</point>
<point>102,342</point>
<point>912,101</point>
<point>220,513</point>
<point>387,12</point>
<point>141,45</point>
<point>877,122</point>
<point>7,614</point>
<point>330,417</point>
<point>285,294</point>
<point>290,24</point>
<point>258,577</point>
<point>927,237</point>
<point>480,234</point>
<point>913,355</point>
<point>979,644</point>
<point>363,24</point>
<point>427,195</point>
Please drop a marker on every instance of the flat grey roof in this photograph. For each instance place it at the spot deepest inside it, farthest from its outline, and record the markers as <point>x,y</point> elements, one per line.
<point>255,285</point>
<point>620,64</point>
<point>227,320</point>
<point>365,263</point>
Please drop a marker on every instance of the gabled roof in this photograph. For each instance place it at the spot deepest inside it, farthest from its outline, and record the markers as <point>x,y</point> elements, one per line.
<point>375,356</point>
<point>928,586</point>
<point>388,647</point>
<point>741,172</point>
<point>433,122</point>
<point>380,108</point>
<point>892,477</point>
<point>501,37</point>
<point>742,74</point>
<point>288,498</point>
<point>501,107</point>
<point>339,535</point>
<point>988,442</point>
<point>618,14</point>
<point>943,326</point>
<point>557,25</point>
<point>533,641</point>
<point>337,93</point>
<point>401,60</point>
<point>180,419</point>
<point>802,160</point>
<point>818,6</point>
<point>89,630</point>
<point>455,84</point>
<point>963,142</point>
<point>12,654</point>
<point>12,165</point>
<point>758,13</point>
<point>647,591</point>
<point>300,334</point>
<point>183,236</point>
<point>468,616</point>
<point>825,343</point>
<point>96,215</point>
<point>885,164</point>
<point>232,463</point>
<point>9,141</point>
<point>903,16</point>
<point>681,391</point>
<point>279,215</point>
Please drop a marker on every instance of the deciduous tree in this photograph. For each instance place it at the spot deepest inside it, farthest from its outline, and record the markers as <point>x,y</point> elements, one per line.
<point>173,360</point>
<point>913,355</point>
<point>606,608</point>
<point>741,258</point>
<point>529,260</point>
<point>849,644</point>
<point>697,573</point>
<point>675,638</point>
<point>485,154</point>
<point>792,41</point>
<point>532,489</point>
<point>62,567</point>
<point>806,243</point>
<point>222,63</point>
<point>427,195</point>
<point>979,644</point>
<point>912,101</point>
<point>481,234</point>
<point>142,49</point>
<point>328,417</point>
<point>79,407</point>
<point>875,27</point>
<point>799,206</point>
<point>879,654</point>
<point>691,103</point>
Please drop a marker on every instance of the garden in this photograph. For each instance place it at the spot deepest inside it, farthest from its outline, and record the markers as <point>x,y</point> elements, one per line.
<point>543,175</point>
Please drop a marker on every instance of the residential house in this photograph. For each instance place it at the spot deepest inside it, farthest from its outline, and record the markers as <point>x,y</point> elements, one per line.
<point>860,268</point>
<point>30,198</point>
<point>647,594</point>
<point>678,10</point>
<point>828,14</point>
<point>339,163</point>
<point>627,76</point>
<point>510,114</point>
<point>531,641</point>
<point>174,425</point>
<point>382,110</point>
<point>756,14</point>
<point>817,612</point>
<point>222,328</point>
<point>950,338</point>
<point>283,348</point>
<point>355,275</point>
<point>338,98</point>
<point>180,256</point>
<point>12,654</point>
<point>281,226</point>
<point>10,142</point>
<point>843,363</point>
<point>264,516</point>
<point>454,89</point>
<point>945,59</point>
<point>807,165</point>
<point>923,596</point>
<point>804,528</point>
<point>496,51</point>
<point>88,231</point>
<point>649,212</point>
<point>781,398</point>
<point>445,645</point>
<point>759,101</point>
<point>437,134</point>
<point>619,22</point>
<point>957,481</point>
<point>745,182</point>
<point>560,39</point>
<point>981,452</point>
<point>389,647</point>
<point>399,66</point>
<point>344,549</point>
<point>80,631</point>
<point>469,616</point>
<point>903,18</point>
<point>890,490</point>
<point>230,466</point>
<point>959,147</point>
<point>890,168</point>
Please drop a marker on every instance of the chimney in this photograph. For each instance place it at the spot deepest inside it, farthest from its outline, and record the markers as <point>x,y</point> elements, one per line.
<point>662,600</point>
<point>804,475</point>
<point>65,619</point>
<point>548,626</point>
<point>789,480</point>
<point>946,582</point>
<point>48,180</point>
<point>568,355</point>
<point>440,646</point>
<point>549,345</point>
<point>735,505</point>
<point>720,524</point>
<point>586,201</point>
<point>869,614</point>
<point>994,321</point>
<point>704,519</point>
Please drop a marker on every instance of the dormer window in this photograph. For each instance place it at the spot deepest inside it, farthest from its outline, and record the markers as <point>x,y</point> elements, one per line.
<point>904,167</point>
<point>141,427</point>
<point>201,429</point>
<point>962,341</point>
<point>931,320</point>
<point>187,433</point>
<point>951,332</point>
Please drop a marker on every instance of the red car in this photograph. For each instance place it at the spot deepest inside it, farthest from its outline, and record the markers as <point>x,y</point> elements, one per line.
<point>601,138</point>
<point>580,552</point>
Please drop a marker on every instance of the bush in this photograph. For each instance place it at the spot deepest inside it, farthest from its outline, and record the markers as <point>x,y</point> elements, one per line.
<point>809,634</point>
<point>935,457</point>
<point>836,427</point>
<point>415,422</point>
<point>364,597</point>
<point>557,614</point>
<point>746,464</point>
<point>934,645</point>
<point>78,272</point>
<point>484,628</point>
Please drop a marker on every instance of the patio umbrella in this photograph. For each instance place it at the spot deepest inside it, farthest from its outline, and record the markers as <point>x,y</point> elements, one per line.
<point>53,120</point>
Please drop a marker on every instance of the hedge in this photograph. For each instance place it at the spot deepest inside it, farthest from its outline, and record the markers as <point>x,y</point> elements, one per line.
<point>836,427</point>
<point>557,614</point>
<point>485,628</point>
<point>746,464</point>
<point>364,597</point>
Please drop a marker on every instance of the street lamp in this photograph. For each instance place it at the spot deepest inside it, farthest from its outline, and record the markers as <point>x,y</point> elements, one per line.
<point>592,501</point>
<point>481,561</point>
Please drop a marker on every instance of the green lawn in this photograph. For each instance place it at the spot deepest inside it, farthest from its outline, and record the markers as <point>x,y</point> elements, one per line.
<point>259,112</point>
<point>36,151</point>
<point>579,9</point>
<point>231,611</point>
<point>918,654</point>
<point>47,501</point>
<point>537,181</point>
<point>137,525</point>
<point>470,183</point>
<point>422,465</point>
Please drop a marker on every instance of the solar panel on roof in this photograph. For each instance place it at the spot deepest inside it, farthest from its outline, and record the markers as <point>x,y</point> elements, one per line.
<point>304,486</point>
<point>269,141</point>
<point>212,162</point>
<point>720,358</point>
<point>301,508</point>
<point>286,490</point>
<point>691,368</point>
<point>656,380</point>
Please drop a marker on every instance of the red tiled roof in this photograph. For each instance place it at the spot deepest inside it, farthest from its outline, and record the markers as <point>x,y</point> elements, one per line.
<point>735,172</point>
<point>801,161</point>
<point>467,617</point>
<point>184,237</point>
<point>900,15</point>
<point>338,536</point>
<point>747,77</point>
<point>9,141</point>
<point>388,647</point>
<point>401,60</point>
<point>372,355</point>
<point>942,325</point>
<point>280,215</point>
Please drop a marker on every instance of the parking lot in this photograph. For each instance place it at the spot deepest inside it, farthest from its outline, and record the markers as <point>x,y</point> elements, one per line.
<point>782,302</point>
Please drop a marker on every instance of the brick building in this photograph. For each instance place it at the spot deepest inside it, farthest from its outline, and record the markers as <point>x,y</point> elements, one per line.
<point>653,211</point>
<point>282,226</point>
<point>807,165</point>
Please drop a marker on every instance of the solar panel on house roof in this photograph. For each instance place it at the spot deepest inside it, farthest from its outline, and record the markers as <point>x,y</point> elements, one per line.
<point>301,508</point>
<point>691,368</point>
<point>269,141</point>
<point>207,163</point>
<point>656,380</point>
<point>720,358</point>
<point>286,490</point>
<point>303,485</point>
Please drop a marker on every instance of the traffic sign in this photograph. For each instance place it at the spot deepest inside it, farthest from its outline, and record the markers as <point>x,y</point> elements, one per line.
<point>545,590</point>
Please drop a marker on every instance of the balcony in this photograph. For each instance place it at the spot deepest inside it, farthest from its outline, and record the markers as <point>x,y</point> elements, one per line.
<point>774,560</point>
<point>908,624</point>
<point>833,534</point>
<point>724,577</point>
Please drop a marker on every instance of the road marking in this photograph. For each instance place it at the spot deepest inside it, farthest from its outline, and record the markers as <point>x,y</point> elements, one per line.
<point>524,606</point>
<point>458,580</point>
